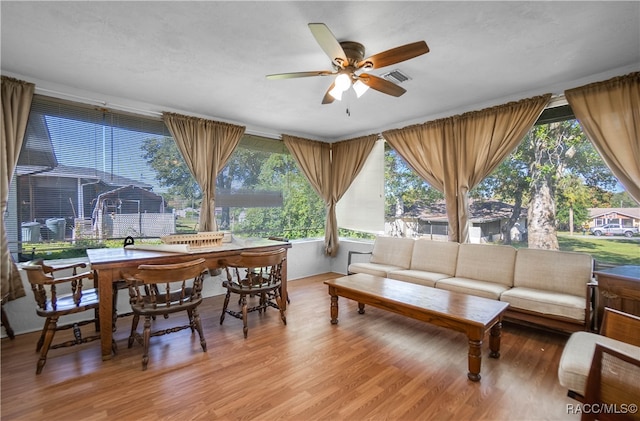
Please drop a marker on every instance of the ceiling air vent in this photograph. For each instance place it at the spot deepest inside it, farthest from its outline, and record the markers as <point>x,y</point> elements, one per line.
<point>396,76</point>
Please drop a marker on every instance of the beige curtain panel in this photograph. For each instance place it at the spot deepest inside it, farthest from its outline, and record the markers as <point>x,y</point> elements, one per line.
<point>16,103</point>
<point>454,154</point>
<point>609,113</point>
<point>206,146</point>
<point>330,169</point>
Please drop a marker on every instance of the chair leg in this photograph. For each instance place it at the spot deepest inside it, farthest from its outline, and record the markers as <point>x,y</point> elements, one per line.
<point>263,302</point>
<point>48,338</point>
<point>192,322</point>
<point>146,335</point>
<point>43,333</point>
<point>225,305</point>
<point>7,326</point>
<point>245,328</point>
<point>198,324</point>
<point>279,303</point>
<point>288,298</point>
<point>134,327</point>
<point>114,307</point>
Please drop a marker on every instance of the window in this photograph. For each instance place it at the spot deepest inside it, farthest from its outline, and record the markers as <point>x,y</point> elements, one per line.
<point>574,191</point>
<point>262,193</point>
<point>88,175</point>
<point>82,174</point>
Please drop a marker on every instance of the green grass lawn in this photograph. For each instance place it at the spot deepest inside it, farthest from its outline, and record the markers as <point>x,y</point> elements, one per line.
<point>614,250</point>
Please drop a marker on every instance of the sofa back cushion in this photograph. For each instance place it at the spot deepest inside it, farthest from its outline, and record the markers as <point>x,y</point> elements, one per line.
<point>486,262</point>
<point>435,256</point>
<point>394,251</point>
<point>551,270</point>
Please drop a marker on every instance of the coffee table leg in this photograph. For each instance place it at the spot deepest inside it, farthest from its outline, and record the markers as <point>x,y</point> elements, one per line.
<point>360,308</point>
<point>494,340</point>
<point>475,359</point>
<point>334,309</point>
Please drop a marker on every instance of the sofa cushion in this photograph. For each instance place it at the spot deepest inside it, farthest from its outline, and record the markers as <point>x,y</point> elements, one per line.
<point>546,302</point>
<point>472,287</point>
<point>435,256</point>
<point>486,262</point>
<point>551,270</point>
<point>578,353</point>
<point>417,276</point>
<point>372,268</point>
<point>395,251</point>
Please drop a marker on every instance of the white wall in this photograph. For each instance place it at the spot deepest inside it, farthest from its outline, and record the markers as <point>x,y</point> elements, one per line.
<point>304,258</point>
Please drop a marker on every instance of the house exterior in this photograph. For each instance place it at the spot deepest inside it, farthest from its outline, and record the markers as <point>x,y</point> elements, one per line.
<point>627,217</point>
<point>488,218</point>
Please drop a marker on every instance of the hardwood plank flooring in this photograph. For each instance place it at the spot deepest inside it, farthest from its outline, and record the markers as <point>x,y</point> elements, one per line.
<point>376,366</point>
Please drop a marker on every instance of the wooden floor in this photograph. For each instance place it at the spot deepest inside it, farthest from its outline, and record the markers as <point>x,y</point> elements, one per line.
<point>376,366</point>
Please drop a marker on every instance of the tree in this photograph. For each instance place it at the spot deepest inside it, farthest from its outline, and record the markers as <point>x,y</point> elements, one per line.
<point>508,183</point>
<point>561,154</point>
<point>241,171</point>
<point>573,198</point>
<point>163,155</point>
<point>303,212</point>
<point>623,200</point>
<point>404,188</point>
<point>547,173</point>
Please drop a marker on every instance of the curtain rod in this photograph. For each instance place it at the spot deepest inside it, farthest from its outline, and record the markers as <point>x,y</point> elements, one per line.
<point>102,103</point>
<point>148,113</point>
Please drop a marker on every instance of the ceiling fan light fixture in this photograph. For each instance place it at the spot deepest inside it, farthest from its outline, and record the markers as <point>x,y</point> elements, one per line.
<point>340,85</point>
<point>360,88</point>
<point>336,93</point>
<point>343,82</point>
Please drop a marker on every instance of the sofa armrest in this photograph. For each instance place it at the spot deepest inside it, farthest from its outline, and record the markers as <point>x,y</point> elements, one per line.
<point>351,253</point>
<point>621,326</point>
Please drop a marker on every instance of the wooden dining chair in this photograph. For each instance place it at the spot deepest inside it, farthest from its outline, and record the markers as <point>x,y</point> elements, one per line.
<point>52,304</point>
<point>159,290</point>
<point>73,267</point>
<point>255,274</point>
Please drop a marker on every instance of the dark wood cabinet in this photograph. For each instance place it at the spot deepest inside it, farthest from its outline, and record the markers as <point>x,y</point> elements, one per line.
<point>619,288</point>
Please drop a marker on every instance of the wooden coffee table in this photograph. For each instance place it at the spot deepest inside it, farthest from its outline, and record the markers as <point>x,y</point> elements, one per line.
<point>471,315</point>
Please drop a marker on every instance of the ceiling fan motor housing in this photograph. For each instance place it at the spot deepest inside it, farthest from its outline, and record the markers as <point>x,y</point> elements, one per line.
<point>354,52</point>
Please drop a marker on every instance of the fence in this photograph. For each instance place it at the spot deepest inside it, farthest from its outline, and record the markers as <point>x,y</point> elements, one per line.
<point>121,225</point>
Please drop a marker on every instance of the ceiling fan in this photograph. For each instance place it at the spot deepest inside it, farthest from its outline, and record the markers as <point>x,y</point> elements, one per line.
<point>350,66</point>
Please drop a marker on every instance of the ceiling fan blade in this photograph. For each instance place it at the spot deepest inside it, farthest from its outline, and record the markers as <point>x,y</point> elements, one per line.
<point>395,55</point>
<point>328,43</point>
<point>381,85</point>
<point>328,98</point>
<point>299,74</point>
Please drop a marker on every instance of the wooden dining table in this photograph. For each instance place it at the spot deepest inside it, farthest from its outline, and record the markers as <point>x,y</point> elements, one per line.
<point>108,265</point>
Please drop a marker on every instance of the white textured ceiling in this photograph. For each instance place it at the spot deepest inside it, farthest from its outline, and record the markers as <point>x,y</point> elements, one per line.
<point>210,58</point>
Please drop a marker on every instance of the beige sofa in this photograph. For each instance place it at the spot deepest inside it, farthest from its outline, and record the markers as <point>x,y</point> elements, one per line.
<point>543,287</point>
